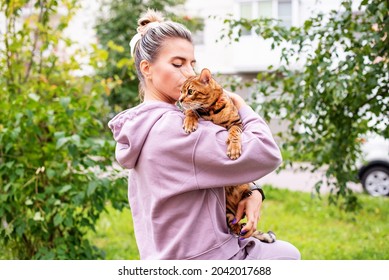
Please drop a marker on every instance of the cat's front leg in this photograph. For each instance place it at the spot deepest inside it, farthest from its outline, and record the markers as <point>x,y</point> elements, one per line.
<point>234,145</point>
<point>190,122</point>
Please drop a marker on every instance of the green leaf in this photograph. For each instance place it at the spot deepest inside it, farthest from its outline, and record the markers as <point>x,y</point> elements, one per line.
<point>65,188</point>
<point>58,219</point>
<point>61,141</point>
<point>68,222</point>
<point>20,229</point>
<point>51,173</point>
<point>65,101</point>
<point>76,139</point>
<point>91,188</point>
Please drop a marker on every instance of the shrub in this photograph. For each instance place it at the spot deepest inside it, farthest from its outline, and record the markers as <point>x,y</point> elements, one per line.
<point>54,143</point>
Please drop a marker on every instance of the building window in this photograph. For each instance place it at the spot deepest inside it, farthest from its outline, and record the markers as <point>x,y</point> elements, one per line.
<point>264,8</point>
<point>285,12</point>
<point>252,9</point>
<point>246,11</point>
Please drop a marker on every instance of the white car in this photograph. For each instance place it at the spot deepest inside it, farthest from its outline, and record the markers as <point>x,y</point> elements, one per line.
<point>374,169</point>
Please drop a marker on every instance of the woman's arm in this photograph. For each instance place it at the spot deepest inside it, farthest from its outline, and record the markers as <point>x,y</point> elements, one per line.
<point>260,154</point>
<point>236,99</point>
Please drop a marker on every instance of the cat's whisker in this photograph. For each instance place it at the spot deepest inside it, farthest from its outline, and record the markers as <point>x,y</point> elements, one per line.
<point>192,106</point>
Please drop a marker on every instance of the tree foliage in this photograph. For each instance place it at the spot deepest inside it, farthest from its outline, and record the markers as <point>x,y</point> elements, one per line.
<point>115,28</point>
<point>53,137</point>
<point>338,96</point>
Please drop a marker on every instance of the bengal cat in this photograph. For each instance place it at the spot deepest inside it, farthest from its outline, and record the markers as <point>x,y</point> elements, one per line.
<point>201,96</point>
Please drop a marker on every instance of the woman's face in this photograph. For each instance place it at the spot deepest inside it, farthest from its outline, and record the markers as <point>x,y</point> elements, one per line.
<point>168,72</point>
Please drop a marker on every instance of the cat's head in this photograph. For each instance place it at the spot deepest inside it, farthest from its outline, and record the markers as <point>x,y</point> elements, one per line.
<point>199,91</point>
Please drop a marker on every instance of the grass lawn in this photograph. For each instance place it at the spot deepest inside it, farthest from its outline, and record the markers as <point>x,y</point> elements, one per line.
<point>321,232</point>
<point>115,235</point>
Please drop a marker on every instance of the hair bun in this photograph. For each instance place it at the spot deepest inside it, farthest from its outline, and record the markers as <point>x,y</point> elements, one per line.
<point>147,19</point>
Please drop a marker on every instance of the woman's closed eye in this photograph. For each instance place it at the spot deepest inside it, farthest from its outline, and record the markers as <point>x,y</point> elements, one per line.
<point>177,65</point>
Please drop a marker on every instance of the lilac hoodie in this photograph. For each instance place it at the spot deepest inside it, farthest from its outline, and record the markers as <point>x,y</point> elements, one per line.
<point>176,179</point>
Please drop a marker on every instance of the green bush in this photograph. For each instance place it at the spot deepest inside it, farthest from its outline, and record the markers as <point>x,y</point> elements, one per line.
<point>339,95</point>
<point>54,144</point>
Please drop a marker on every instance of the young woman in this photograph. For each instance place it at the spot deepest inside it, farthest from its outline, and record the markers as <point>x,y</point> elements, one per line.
<point>176,179</point>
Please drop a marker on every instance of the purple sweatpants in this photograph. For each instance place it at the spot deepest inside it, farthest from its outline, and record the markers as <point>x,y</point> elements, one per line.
<point>253,249</point>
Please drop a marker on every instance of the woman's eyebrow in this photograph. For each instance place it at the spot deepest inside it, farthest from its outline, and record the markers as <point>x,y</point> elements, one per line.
<point>183,59</point>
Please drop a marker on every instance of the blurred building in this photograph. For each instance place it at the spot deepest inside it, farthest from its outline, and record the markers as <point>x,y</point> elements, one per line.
<point>242,61</point>
<point>251,54</point>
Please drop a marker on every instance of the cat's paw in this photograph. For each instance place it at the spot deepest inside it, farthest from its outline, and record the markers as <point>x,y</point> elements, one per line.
<point>190,125</point>
<point>267,237</point>
<point>235,228</point>
<point>234,150</point>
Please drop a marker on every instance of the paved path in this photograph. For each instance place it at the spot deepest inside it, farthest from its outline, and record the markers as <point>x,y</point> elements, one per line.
<point>300,180</point>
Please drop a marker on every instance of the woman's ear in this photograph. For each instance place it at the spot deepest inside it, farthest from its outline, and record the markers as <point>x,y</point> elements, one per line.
<point>145,68</point>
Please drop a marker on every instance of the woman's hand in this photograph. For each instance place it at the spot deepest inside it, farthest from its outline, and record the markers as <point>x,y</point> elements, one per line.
<point>236,99</point>
<point>251,206</point>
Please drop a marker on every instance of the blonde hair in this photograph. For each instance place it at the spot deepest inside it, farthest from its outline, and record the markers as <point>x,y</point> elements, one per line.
<point>154,31</point>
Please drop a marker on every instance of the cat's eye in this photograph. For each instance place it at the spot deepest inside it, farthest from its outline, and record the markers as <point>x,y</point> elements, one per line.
<point>189,92</point>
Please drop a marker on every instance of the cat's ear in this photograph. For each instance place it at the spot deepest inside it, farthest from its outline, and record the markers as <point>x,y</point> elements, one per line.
<point>205,76</point>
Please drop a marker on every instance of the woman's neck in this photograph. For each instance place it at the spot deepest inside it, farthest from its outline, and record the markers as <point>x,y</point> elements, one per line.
<point>154,95</point>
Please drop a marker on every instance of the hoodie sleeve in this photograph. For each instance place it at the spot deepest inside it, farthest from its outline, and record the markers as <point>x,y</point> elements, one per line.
<point>260,153</point>
<point>151,137</point>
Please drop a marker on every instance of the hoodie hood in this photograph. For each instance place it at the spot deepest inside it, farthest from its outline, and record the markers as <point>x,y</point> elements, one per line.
<point>131,127</point>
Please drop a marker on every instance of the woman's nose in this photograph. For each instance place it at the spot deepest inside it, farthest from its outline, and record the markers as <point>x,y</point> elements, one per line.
<point>188,72</point>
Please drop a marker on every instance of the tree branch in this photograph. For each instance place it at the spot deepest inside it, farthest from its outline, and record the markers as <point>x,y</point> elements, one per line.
<point>35,44</point>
